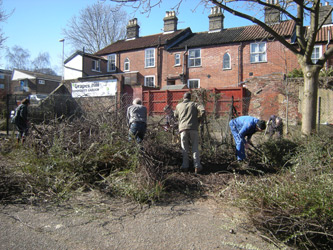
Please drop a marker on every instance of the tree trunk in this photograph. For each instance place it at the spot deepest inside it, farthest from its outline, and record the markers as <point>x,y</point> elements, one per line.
<point>309,102</point>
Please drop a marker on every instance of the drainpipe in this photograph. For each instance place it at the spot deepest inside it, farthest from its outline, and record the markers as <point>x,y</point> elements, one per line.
<point>328,42</point>
<point>239,64</point>
<point>183,73</point>
<point>159,82</point>
<point>83,74</point>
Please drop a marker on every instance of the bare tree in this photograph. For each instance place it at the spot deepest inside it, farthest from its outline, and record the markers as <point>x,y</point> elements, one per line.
<point>298,11</point>
<point>96,27</point>
<point>42,64</point>
<point>3,18</point>
<point>18,58</point>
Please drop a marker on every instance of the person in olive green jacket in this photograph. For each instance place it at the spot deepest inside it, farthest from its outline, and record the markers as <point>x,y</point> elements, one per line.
<point>188,114</point>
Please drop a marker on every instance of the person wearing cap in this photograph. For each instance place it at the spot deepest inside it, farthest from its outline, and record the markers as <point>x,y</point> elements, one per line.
<point>242,129</point>
<point>137,120</point>
<point>275,125</point>
<point>188,114</point>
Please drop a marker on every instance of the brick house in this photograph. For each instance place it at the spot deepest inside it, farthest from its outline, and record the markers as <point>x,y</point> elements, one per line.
<point>214,59</point>
<point>218,58</point>
<point>5,78</point>
<point>28,82</point>
<point>81,64</point>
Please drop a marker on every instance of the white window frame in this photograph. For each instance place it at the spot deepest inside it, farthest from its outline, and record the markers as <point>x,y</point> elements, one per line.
<point>127,64</point>
<point>96,65</point>
<point>150,58</point>
<point>112,62</point>
<point>41,81</point>
<point>224,66</point>
<point>258,52</point>
<point>194,58</point>
<point>177,59</point>
<point>147,84</point>
<point>316,53</point>
<point>192,80</point>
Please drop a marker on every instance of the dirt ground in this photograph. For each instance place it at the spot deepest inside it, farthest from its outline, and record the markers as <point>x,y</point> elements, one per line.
<point>94,221</point>
<point>116,224</point>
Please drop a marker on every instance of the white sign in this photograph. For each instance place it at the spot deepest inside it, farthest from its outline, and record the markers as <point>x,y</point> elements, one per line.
<point>93,89</point>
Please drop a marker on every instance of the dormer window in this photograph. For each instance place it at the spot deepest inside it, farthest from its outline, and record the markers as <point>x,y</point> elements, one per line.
<point>96,65</point>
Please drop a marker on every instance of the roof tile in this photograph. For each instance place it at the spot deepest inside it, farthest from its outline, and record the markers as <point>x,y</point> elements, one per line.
<point>140,42</point>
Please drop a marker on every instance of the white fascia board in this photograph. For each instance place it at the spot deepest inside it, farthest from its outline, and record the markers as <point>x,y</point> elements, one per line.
<point>18,75</point>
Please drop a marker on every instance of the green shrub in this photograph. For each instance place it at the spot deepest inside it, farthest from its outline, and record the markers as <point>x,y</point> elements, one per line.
<point>295,205</point>
<point>295,73</point>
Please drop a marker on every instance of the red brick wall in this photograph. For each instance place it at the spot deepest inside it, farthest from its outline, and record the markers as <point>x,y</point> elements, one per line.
<point>137,63</point>
<point>267,95</point>
<point>212,75</point>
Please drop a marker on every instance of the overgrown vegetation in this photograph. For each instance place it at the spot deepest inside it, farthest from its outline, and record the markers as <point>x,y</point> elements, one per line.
<point>285,186</point>
<point>295,205</point>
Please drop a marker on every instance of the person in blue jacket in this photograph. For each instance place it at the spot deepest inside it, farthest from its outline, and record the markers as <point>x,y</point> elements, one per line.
<point>245,126</point>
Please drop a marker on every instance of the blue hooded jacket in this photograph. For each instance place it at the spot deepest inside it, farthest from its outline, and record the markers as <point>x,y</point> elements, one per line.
<point>246,126</point>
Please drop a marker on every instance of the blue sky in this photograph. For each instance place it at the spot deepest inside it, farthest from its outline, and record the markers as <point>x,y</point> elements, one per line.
<point>37,25</point>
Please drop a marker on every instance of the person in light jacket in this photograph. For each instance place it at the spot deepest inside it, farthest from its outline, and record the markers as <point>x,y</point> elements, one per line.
<point>188,114</point>
<point>137,120</point>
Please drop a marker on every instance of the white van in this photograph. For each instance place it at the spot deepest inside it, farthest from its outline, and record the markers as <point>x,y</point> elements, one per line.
<point>37,98</point>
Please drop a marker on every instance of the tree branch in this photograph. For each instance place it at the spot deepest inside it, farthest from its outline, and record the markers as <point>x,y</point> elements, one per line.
<point>260,23</point>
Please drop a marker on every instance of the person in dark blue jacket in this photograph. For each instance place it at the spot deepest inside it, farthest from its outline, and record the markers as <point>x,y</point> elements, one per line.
<point>244,126</point>
<point>22,120</point>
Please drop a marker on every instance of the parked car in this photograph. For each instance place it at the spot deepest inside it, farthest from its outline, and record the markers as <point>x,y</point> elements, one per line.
<point>37,98</point>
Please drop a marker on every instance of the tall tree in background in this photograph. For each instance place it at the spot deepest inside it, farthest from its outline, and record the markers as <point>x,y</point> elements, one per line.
<point>41,64</point>
<point>19,58</point>
<point>3,17</point>
<point>299,11</point>
<point>96,27</point>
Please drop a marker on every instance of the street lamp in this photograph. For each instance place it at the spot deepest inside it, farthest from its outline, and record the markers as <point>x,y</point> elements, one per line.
<point>63,51</point>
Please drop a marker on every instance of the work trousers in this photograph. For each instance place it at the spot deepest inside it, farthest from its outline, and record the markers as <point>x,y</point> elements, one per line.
<point>138,130</point>
<point>22,130</point>
<point>240,146</point>
<point>188,137</point>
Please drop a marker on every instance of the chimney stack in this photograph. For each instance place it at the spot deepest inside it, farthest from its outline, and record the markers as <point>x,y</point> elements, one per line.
<point>133,29</point>
<point>323,11</point>
<point>272,16</point>
<point>170,21</point>
<point>215,19</point>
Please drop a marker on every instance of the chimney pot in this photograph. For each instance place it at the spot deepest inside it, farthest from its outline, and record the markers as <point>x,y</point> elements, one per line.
<point>216,19</point>
<point>133,29</point>
<point>170,21</point>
